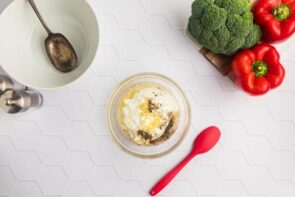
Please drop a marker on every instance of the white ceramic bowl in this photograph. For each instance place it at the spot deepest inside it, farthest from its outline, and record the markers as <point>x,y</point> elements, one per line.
<point>22,51</point>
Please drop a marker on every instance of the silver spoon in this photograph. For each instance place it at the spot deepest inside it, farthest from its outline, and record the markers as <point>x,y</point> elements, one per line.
<point>59,50</point>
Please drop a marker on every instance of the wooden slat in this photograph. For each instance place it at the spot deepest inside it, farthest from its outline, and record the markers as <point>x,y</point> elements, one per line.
<point>219,61</point>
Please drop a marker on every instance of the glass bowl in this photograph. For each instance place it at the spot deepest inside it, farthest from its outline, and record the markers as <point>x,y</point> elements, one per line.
<point>155,150</point>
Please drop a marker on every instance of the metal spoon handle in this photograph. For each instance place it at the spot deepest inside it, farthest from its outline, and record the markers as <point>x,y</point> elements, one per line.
<point>32,3</point>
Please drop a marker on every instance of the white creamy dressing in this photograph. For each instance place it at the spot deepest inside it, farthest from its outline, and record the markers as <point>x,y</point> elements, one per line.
<point>133,117</point>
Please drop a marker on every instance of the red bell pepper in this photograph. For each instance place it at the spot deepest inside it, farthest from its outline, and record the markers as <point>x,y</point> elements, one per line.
<point>276,19</point>
<point>258,69</point>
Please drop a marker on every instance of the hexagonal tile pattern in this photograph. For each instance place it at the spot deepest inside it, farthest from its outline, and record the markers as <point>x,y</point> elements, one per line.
<point>102,185</point>
<point>81,83</point>
<point>128,168</point>
<point>148,179</point>
<point>155,59</point>
<point>127,68</point>
<point>53,181</point>
<point>78,135</point>
<point>129,13</point>
<point>123,189</point>
<point>232,189</point>
<point>260,122</point>
<point>107,61</point>
<point>97,120</point>
<point>282,110</point>
<point>110,31</point>
<point>155,7</point>
<point>206,179</point>
<point>26,166</point>
<point>28,116</point>
<point>257,150</point>
<point>210,158</point>
<point>78,189</point>
<point>52,120</point>
<point>228,83</point>
<point>257,180</point>
<point>7,151</point>
<point>234,136</point>
<point>282,188</point>
<point>98,153</point>
<point>51,150</point>
<point>231,164</point>
<point>130,44</point>
<point>7,181</point>
<point>78,165</point>
<point>187,144</point>
<point>104,7</point>
<point>27,189</point>
<point>65,148</point>
<point>184,72</point>
<point>180,188</point>
<point>99,92</point>
<point>6,122</point>
<point>180,47</point>
<point>186,172</point>
<point>25,135</point>
<point>168,162</point>
<point>77,111</point>
<point>155,29</point>
<point>50,100</point>
<point>289,83</point>
<point>178,13</point>
<point>203,94</point>
<point>232,105</point>
<point>280,165</point>
<point>205,116</point>
<point>282,135</point>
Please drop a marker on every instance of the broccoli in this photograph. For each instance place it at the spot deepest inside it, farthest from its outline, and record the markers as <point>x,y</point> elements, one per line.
<point>223,26</point>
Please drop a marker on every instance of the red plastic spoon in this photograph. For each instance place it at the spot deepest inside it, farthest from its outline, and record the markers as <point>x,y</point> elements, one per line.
<point>204,142</point>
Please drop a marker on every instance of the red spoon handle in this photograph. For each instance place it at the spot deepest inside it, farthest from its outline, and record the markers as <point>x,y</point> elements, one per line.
<point>170,175</point>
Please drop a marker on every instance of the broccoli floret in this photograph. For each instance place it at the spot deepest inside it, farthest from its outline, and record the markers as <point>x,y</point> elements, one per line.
<point>234,44</point>
<point>199,6</point>
<point>213,12</point>
<point>254,35</point>
<point>240,26</point>
<point>234,6</point>
<point>222,35</point>
<point>208,38</point>
<point>223,26</point>
<point>194,26</point>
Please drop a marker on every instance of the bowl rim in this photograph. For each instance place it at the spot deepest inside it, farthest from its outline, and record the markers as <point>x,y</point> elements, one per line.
<point>68,83</point>
<point>111,101</point>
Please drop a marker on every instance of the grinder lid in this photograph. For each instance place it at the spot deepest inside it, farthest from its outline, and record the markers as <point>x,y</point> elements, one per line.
<point>5,84</point>
<point>12,102</point>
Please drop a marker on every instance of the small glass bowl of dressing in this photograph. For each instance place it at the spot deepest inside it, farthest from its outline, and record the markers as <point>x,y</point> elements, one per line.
<point>166,91</point>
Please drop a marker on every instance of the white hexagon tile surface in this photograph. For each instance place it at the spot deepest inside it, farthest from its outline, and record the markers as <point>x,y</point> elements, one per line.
<point>64,149</point>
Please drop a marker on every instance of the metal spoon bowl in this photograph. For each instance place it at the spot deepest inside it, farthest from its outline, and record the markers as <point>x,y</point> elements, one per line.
<point>59,50</point>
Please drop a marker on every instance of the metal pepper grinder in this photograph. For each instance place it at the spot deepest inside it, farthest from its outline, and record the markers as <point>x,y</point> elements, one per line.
<point>5,84</point>
<point>13,101</point>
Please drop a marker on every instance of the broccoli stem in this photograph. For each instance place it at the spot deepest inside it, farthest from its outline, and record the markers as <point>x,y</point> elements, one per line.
<point>281,12</point>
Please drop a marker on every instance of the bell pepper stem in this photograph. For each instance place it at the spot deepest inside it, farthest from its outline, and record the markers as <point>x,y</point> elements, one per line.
<point>281,12</point>
<point>260,68</point>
